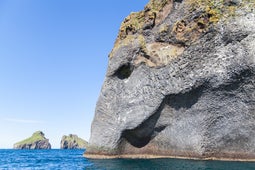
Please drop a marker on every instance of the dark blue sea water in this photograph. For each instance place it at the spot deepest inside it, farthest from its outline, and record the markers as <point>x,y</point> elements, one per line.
<point>72,160</point>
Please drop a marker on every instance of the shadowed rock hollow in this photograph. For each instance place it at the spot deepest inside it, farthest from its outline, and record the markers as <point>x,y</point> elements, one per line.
<point>180,83</point>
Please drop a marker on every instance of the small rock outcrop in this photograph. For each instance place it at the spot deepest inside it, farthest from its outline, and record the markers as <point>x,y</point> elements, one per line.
<point>180,83</point>
<point>73,142</point>
<point>36,141</point>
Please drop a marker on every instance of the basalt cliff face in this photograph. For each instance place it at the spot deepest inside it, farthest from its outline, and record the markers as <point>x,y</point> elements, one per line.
<point>36,141</point>
<point>72,142</point>
<point>180,83</point>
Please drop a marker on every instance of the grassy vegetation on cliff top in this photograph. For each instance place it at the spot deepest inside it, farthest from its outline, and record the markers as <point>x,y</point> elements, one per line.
<point>136,20</point>
<point>37,136</point>
<point>71,138</point>
<point>220,9</point>
<point>211,12</point>
<point>201,15</point>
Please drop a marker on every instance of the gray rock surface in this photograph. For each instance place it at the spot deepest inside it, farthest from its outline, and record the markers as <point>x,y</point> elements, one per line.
<point>180,83</point>
<point>36,141</point>
<point>73,142</point>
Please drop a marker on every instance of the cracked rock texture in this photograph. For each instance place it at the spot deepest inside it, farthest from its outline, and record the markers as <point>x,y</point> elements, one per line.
<point>180,83</point>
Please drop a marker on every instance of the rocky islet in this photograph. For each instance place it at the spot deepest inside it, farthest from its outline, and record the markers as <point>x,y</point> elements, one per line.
<point>180,83</point>
<point>36,141</point>
<point>73,142</point>
<point>39,141</point>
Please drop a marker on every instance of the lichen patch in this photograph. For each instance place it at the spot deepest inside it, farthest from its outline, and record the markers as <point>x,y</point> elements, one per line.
<point>154,12</point>
<point>158,54</point>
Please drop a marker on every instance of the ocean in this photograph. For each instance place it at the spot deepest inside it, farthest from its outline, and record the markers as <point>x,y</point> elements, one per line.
<point>57,159</point>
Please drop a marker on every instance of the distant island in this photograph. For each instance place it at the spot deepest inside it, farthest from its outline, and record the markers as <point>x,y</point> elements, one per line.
<point>73,142</point>
<point>36,141</point>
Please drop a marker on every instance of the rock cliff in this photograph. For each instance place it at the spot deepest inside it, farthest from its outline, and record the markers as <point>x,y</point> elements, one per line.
<point>73,142</point>
<point>36,141</point>
<point>180,83</point>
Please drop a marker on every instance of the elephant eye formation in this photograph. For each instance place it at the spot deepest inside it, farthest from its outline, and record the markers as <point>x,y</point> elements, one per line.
<point>124,71</point>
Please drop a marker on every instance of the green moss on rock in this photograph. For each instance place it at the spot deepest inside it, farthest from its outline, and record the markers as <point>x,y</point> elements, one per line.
<point>73,142</point>
<point>220,9</point>
<point>156,5</point>
<point>203,15</point>
<point>37,136</point>
<point>136,22</point>
<point>36,141</point>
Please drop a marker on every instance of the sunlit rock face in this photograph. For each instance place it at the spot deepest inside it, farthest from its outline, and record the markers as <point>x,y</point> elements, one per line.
<point>72,141</point>
<point>36,141</point>
<point>180,83</point>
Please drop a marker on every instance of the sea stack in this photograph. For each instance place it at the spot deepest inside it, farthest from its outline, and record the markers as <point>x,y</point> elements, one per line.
<point>73,142</point>
<point>180,83</point>
<point>36,141</point>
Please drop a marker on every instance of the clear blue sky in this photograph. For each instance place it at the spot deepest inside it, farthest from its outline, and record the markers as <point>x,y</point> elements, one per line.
<point>53,59</point>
